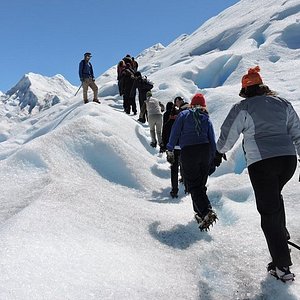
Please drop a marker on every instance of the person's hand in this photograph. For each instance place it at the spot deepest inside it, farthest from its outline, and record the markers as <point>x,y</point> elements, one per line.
<point>170,157</point>
<point>218,158</point>
<point>81,79</point>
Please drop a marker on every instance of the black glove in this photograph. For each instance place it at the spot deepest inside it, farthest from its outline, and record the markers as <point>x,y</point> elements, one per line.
<point>163,148</point>
<point>218,158</point>
<point>170,157</point>
<point>81,79</point>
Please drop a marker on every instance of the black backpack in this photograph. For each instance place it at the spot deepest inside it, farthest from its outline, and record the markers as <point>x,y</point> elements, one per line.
<point>146,84</point>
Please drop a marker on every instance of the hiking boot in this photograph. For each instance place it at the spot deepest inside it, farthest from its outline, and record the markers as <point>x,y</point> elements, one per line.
<point>208,220</point>
<point>141,120</point>
<point>97,101</point>
<point>162,149</point>
<point>174,194</point>
<point>198,218</point>
<point>153,144</point>
<point>284,274</point>
<point>86,101</point>
<point>271,267</point>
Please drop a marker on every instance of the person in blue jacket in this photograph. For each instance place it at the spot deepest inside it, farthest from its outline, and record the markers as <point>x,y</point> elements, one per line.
<point>86,75</point>
<point>194,131</point>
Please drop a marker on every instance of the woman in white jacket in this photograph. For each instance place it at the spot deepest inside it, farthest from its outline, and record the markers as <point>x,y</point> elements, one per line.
<point>271,131</point>
<point>155,119</point>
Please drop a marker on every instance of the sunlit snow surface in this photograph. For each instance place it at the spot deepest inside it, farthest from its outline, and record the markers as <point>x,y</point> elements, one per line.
<point>85,211</point>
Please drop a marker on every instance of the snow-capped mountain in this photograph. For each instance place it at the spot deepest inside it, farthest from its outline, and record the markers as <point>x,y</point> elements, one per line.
<point>39,92</point>
<point>85,211</point>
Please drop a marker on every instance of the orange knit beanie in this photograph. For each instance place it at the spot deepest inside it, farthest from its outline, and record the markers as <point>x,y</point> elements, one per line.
<point>252,77</point>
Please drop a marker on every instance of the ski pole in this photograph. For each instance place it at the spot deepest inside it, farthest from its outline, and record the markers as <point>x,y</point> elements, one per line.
<point>294,245</point>
<point>78,89</point>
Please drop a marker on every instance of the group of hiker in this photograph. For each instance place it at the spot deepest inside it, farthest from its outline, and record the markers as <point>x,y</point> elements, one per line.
<point>271,131</point>
<point>129,80</point>
<point>271,141</point>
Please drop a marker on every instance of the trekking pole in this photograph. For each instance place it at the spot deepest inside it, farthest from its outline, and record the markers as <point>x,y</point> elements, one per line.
<point>299,174</point>
<point>294,245</point>
<point>78,90</point>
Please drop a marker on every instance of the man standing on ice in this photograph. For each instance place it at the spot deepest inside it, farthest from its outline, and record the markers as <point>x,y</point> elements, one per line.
<point>271,130</point>
<point>86,75</point>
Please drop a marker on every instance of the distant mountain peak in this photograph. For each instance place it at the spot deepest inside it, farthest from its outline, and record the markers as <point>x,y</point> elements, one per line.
<point>38,91</point>
<point>151,50</point>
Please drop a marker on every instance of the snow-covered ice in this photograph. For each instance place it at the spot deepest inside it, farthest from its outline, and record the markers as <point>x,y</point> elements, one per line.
<point>85,211</point>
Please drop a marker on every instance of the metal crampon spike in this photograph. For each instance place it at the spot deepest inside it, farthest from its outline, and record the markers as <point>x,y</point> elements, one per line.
<point>207,221</point>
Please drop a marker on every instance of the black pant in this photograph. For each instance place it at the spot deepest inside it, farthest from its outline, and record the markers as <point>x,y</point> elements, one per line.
<point>195,167</point>
<point>268,178</point>
<point>129,102</point>
<point>174,170</point>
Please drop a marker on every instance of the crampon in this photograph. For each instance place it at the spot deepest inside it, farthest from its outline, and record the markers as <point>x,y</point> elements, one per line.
<point>284,274</point>
<point>207,221</point>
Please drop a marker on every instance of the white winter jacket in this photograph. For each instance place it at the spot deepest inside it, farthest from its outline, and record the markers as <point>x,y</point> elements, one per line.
<point>269,124</point>
<point>154,106</point>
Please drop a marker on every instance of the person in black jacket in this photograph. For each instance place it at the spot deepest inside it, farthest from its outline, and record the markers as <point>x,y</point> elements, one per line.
<point>143,86</point>
<point>134,64</point>
<point>86,75</point>
<point>138,84</point>
<point>172,110</point>
<point>168,120</point>
<point>120,67</point>
<point>128,93</point>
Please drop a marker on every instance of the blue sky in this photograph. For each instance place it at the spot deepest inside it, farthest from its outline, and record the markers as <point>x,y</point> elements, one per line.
<point>50,37</point>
